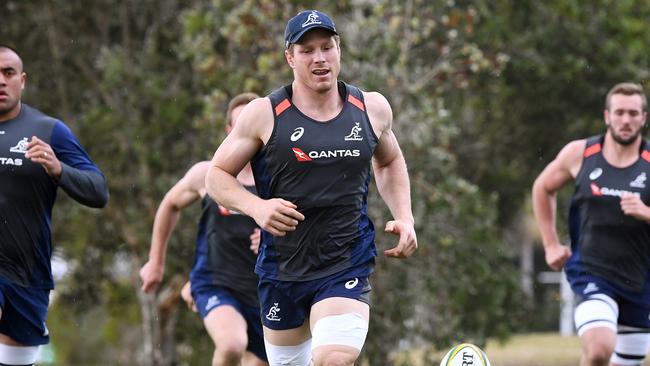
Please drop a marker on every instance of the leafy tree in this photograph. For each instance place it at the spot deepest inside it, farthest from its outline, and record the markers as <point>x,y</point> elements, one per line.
<point>563,56</point>
<point>484,94</point>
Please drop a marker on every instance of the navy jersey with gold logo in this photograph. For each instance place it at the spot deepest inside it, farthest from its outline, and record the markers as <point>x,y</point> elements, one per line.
<point>28,193</point>
<point>324,167</point>
<point>605,241</point>
<point>223,254</point>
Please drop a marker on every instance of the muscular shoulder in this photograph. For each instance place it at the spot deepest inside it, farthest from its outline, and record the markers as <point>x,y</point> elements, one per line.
<point>570,157</point>
<point>379,111</point>
<point>257,109</point>
<point>258,106</point>
<point>573,150</point>
<point>256,119</point>
<point>199,169</point>
<point>194,178</point>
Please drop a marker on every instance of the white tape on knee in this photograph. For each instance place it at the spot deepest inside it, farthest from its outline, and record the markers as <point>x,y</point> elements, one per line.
<point>299,355</point>
<point>346,330</point>
<point>17,355</point>
<point>632,345</point>
<point>597,311</point>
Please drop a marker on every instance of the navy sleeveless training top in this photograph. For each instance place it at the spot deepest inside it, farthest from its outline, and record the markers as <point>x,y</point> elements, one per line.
<point>324,168</point>
<point>605,241</point>
<point>223,256</point>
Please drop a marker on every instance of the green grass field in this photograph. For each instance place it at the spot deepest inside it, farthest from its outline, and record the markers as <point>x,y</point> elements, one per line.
<point>538,349</point>
<point>544,349</point>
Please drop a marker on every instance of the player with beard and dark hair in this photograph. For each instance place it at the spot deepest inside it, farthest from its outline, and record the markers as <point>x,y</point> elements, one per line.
<point>38,154</point>
<point>608,264</point>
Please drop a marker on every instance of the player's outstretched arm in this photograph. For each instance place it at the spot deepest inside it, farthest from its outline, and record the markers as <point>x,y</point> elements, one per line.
<point>557,173</point>
<point>182,194</point>
<point>392,177</point>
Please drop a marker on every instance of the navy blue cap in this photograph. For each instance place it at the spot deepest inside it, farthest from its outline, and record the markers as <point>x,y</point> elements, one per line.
<point>305,21</point>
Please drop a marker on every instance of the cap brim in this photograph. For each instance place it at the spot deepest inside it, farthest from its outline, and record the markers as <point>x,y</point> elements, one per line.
<point>296,37</point>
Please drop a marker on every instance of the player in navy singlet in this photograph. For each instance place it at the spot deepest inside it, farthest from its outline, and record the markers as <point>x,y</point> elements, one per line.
<point>38,154</point>
<point>313,146</point>
<point>608,264</point>
<point>223,282</point>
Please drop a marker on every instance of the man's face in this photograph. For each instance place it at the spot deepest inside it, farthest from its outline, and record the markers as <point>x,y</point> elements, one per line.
<point>625,118</point>
<point>316,60</point>
<point>12,83</point>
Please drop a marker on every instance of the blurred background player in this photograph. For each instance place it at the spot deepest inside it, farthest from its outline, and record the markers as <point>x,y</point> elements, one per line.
<point>608,265</point>
<point>223,283</point>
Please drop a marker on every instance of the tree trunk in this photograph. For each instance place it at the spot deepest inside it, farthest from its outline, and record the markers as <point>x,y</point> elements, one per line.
<point>159,316</point>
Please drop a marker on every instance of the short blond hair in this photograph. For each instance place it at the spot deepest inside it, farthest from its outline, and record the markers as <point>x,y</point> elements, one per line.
<point>241,99</point>
<point>627,88</point>
<point>337,40</point>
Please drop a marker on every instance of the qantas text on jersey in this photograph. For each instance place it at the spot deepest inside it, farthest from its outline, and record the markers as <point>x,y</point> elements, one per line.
<point>10,161</point>
<point>604,191</point>
<point>342,153</point>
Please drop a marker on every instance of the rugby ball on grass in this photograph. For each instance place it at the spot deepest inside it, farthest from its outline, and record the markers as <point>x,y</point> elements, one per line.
<point>465,354</point>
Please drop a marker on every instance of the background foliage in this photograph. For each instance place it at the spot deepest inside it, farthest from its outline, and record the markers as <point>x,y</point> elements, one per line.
<point>484,93</point>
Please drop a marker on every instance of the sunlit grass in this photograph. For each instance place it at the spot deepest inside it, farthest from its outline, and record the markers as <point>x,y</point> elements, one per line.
<point>542,349</point>
<point>536,349</point>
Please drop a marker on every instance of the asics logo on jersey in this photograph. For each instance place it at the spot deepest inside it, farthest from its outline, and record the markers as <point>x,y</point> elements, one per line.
<point>342,153</point>
<point>272,315</point>
<point>604,191</point>
<point>312,18</point>
<point>352,283</point>
<point>639,181</point>
<point>297,133</point>
<point>21,146</point>
<point>595,173</point>
<point>354,133</point>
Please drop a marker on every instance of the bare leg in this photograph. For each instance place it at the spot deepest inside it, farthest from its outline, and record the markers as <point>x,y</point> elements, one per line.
<point>227,328</point>
<point>597,346</point>
<point>250,359</point>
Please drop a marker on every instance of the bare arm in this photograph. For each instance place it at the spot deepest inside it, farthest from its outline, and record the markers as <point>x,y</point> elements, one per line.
<point>252,130</point>
<point>392,177</point>
<point>181,195</point>
<point>557,173</point>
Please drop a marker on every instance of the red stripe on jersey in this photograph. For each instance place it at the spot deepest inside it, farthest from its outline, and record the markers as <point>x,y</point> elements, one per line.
<point>595,190</point>
<point>357,103</point>
<point>224,211</point>
<point>646,155</point>
<point>591,150</point>
<point>282,107</point>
